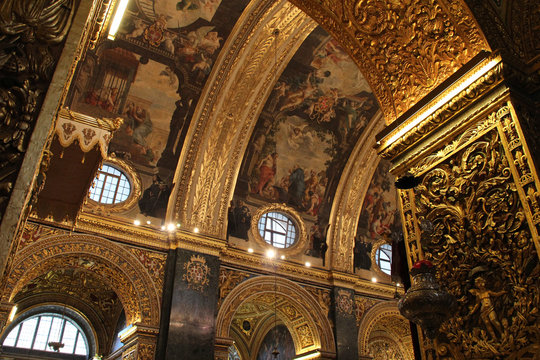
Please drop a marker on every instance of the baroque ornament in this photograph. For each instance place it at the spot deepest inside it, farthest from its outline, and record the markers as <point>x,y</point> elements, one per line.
<point>30,33</point>
<point>405,48</point>
<point>483,247</point>
<point>197,273</point>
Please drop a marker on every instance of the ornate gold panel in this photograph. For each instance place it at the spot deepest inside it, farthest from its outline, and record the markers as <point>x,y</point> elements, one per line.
<point>478,196</point>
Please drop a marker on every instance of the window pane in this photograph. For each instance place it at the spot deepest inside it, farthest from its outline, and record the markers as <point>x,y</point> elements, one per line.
<point>43,333</point>
<point>277,229</point>
<point>27,333</point>
<point>70,335</point>
<point>81,345</point>
<point>111,186</point>
<point>12,337</point>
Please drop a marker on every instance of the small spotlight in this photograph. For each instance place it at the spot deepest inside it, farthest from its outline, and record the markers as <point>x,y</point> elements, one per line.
<point>282,257</point>
<point>250,250</point>
<point>148,222</point>
<point>136,222</point>
<point>162,227</point>
<point>270,254</point>
<point>308,264</point>
<point>398,285</point>
<point>196,230</point>
<point>374,279</point>
<point>171,227</point>
<point>178,225</point>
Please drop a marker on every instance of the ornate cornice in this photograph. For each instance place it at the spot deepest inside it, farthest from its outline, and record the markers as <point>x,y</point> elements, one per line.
<point>444,106</point>
<point>228,111</point>
<point>403,48</point>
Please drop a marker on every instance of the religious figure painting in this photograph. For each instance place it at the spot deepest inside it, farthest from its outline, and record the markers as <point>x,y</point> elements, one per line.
<point>313,118</point>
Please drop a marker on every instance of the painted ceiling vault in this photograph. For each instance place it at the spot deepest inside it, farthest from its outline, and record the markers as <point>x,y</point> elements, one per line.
<point>241,117</point>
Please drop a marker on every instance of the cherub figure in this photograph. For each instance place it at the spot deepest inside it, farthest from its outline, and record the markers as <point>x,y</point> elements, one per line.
<point>487,310</point>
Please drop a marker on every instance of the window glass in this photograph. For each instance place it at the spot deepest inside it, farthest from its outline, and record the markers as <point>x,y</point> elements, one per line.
<point>38,331</point>
<point>111,186</point>
<point>277,229</point>
<point>383,257</point>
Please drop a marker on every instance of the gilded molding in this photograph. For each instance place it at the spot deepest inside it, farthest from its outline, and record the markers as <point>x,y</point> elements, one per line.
<point>303,304</point>
<point>442,113</point>
<point>302,237</point>
<point>116,265</point>
<point>404,48</point>
<point>223,120</point>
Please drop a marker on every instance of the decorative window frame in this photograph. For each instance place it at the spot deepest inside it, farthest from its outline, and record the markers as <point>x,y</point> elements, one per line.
<point>381,274</point>
<point>136,188</point>
<point>301,234</point>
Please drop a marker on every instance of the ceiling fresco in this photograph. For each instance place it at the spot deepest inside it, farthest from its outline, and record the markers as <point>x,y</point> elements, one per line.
<point>379,218</point>
<point>168,47</point>
<point>312,120</point>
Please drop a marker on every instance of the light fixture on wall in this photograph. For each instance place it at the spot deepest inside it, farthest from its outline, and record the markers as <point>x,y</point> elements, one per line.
<point>120,10</point>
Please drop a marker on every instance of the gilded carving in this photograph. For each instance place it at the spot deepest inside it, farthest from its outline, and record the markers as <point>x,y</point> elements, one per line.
<point>228,280</point>
<point>154,263</point>
<point>345,303</point>
<point>115,265</point>
<point>225,120</point>
<point>146,351</point>
<point>361,306</point>
<point>482,244</point>
<point>405,48</point>
<point>30,33</point>
<point>323,298</point>
<point>197,272</point>
<point>306,337</point>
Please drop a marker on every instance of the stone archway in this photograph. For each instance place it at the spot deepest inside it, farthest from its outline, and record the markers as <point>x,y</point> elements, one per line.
<point>383,326</point>
<point>308,324</point>
<point>115,265</point>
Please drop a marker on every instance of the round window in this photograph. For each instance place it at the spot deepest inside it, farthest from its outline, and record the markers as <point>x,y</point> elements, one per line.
<point>277,229</point>
<point>383,257</point>
<point>111,186</point>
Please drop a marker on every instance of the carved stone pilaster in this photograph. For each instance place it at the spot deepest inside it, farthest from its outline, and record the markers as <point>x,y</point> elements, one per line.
<point>140,344</point>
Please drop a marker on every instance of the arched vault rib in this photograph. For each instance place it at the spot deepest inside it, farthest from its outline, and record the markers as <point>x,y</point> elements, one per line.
<point>404,48</point>
<point>308,308</point>
<point>229,109</point>
<point>112,263</point>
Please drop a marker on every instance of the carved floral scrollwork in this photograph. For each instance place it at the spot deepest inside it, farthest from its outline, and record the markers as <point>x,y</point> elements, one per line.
<point>30,32</point>
<point>482,244</point>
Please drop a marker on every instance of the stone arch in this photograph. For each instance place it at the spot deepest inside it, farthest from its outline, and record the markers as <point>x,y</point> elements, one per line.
<point>385,315</point>
<point>314,321</point>
<point>114,264</point>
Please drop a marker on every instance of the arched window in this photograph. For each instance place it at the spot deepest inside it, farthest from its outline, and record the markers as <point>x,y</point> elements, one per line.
<point>39,331</point>
<point>111,186</point>
<point>383,257</point>
<point>277,229</point>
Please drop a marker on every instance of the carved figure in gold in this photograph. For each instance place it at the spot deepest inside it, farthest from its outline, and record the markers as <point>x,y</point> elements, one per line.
<point>487,311</point>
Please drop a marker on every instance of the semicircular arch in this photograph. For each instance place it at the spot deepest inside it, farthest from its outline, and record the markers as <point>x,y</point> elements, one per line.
<point>317,323</point>
<point>385,315</point>
<point>116,266</point>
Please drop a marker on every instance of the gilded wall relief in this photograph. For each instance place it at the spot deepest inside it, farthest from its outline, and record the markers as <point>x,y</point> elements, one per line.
<point>484,249</point>
<point>314,116</point>
<point>168,47</point>
<point>32,37</point>
<point>404,48</point>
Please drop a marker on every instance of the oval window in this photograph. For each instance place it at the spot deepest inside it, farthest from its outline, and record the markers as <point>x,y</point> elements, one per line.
<point>383,257</point>
<point>277,229</point>
<point>111,186</point>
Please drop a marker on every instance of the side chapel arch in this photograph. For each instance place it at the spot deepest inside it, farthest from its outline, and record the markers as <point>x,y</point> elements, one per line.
<point>316,320</point>
<point>116,266</point>
<point>383,314</point>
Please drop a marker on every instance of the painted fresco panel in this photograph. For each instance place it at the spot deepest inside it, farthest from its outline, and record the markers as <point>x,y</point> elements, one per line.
<point>305,134</point>
<point>379,217</point>
<point>152,76</point>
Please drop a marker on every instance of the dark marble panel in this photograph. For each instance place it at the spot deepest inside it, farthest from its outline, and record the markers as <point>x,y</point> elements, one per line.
<point>345,322</point>
<point>193,306</point>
